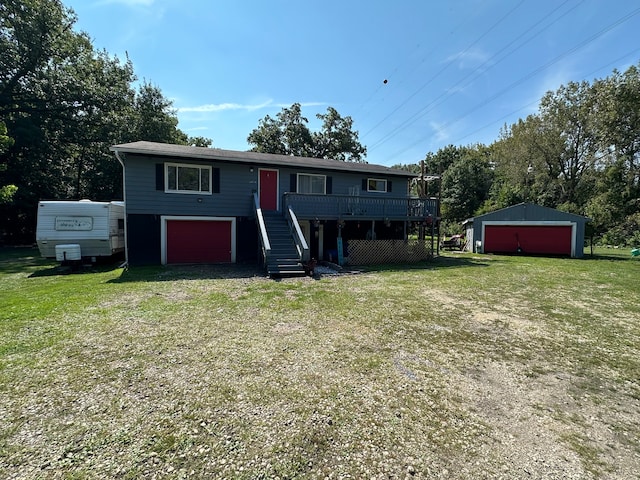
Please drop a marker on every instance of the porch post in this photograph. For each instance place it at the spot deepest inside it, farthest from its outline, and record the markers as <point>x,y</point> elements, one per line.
<point>371,234</point>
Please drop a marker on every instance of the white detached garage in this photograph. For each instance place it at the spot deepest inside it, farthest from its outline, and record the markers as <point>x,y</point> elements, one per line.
<point>527,229</point>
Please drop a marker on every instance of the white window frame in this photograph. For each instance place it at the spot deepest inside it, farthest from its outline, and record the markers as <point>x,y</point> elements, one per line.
<point>324,177</point>
<point>377,180</point>
<point>201,168</point>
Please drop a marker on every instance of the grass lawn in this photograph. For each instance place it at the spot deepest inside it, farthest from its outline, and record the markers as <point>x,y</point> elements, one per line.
<point>470,366</point>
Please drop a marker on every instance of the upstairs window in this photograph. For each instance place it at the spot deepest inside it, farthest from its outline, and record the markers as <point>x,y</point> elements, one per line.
<point>187,178</point>
<point>376,185</point>
<point>312,183</point>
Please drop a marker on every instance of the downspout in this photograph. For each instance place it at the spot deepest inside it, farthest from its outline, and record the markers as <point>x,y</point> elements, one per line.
<point>126,220</point>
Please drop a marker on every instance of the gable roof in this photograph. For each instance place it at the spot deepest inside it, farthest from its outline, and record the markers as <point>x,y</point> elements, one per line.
<point>529,211</point>
<point>252,158</point>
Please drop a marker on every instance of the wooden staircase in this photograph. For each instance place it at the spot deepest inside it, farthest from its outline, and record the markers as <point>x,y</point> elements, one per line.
<point>284,259</point>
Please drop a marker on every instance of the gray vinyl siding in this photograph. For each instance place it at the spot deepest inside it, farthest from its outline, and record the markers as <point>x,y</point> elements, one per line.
<point>342,182</point>
<point>237,184</point>
<point>234,199</point>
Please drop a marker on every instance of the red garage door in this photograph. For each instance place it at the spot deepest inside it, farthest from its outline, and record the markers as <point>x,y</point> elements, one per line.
<point>198,241</point>
<point>532,239</point>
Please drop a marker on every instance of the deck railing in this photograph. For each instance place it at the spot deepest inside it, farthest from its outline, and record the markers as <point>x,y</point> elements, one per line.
<point>297,235</point>
<point>264,239</point>
<point>309,206</point>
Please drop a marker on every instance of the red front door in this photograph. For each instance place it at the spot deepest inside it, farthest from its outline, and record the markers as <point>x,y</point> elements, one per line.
<point>268,189</point>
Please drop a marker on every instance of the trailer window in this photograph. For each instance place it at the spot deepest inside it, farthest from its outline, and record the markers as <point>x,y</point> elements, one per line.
<point>187,178</point>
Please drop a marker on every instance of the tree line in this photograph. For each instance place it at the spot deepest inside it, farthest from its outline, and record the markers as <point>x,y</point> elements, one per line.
<point>579,153</point>
<point>63,104</point>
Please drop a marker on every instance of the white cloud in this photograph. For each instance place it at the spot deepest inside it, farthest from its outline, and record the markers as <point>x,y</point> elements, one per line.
<point>470,58</point>
<point>554,79</point>
<point>220,107</point>
<point>440,132</point>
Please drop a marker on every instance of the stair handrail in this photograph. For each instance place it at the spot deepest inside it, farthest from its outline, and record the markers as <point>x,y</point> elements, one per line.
<point>264,238</point>
<point>298,237</point>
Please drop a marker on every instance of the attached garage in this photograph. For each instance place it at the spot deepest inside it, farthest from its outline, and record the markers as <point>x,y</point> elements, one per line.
<point>198,240</point>
<point>528,229</point>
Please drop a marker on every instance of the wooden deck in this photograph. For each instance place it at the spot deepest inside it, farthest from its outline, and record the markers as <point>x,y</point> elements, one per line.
<point>348,207</point>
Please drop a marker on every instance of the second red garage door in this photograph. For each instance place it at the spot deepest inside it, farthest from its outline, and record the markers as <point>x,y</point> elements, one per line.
<point>533,239</point>
<point>198,241</point>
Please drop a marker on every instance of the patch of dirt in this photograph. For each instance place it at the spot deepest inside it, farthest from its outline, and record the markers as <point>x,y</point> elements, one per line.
<point>525,436</point>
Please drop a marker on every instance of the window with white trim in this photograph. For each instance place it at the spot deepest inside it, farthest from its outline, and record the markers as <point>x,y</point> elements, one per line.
<point>376,185</point>
<point>308,183</point>
<point>182,178</point>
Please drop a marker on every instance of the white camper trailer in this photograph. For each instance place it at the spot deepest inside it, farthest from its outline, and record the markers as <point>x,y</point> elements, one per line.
<point>96,227</point>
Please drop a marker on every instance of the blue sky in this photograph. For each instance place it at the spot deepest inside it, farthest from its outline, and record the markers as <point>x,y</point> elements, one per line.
<point>456,71</point>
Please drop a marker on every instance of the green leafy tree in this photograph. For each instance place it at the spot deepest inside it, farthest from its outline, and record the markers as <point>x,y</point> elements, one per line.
<point>568,115</point>
<point>154,118</point>
<point>337,139</point>
<point>579,153</point>
<point>6,191</point>
<point>440,161</point>
<point>65,104</point>
<point>466,183</point>
<point>199,141</point>
<point>437,164</point>
<point>62,102</point>
<point>43,89</point>
<point>288,134</point>
<point>618,122</point>
<point>102,122</point>
<point>521,158</point>
<point>501,195</point>
<point>548,157</point>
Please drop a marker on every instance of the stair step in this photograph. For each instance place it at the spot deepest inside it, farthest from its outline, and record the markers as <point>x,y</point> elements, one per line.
<point>284,261</point>
<point>288,272</point>
<point>284,258</point>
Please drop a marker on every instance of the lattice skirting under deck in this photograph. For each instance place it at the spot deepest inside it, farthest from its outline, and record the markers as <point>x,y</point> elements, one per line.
<point>372,252</point>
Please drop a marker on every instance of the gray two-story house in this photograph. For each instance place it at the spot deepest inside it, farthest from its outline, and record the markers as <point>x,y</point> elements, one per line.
<point>206,205</point>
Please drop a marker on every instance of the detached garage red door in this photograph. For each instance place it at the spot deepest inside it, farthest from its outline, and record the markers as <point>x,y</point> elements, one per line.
<point>198,241</point>
<point>532,239</point>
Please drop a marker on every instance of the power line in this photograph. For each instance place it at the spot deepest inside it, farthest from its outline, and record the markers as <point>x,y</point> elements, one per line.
<point>531,75</point>
<point>504,117</point>
<point>440,99</point>
<point>416,67</point>
<point>447,65</point>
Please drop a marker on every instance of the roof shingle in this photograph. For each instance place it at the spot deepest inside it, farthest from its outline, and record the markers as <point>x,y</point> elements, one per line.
<point>253,158</point>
